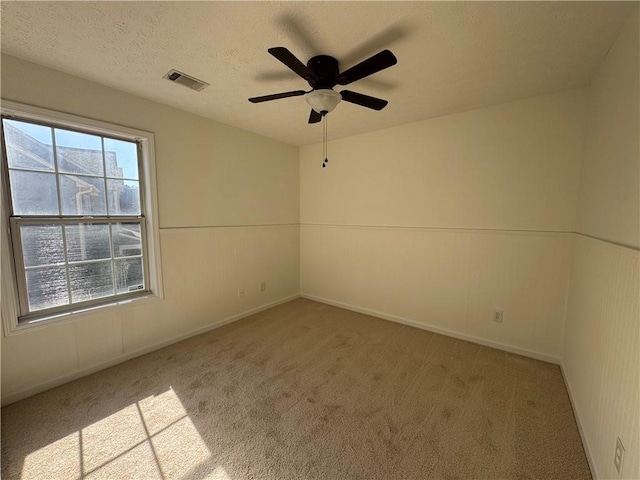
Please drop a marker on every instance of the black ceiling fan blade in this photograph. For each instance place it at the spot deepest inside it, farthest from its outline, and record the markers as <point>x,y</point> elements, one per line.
<point>291,61</point>
<point>314,117</point>
<point>276,96</point>
<point>363,100</point>
<point>371,65</point>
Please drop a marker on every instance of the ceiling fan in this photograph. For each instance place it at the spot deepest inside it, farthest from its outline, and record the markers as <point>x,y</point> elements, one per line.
<point>322,73</point>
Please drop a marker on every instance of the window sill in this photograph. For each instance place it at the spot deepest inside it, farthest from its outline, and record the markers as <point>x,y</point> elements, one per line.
<point>31,324</point>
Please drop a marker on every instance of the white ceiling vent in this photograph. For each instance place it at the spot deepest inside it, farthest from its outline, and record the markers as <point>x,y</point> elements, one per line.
<point>186,80</point>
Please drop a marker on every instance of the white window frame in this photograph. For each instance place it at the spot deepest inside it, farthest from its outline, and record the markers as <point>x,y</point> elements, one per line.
<point>10,309</point>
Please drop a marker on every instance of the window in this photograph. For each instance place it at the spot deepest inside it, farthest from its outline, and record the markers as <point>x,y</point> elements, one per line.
<point>82,229</point>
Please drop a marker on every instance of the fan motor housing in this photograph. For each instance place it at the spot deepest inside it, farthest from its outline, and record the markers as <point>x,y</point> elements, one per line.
<point>326,70</point>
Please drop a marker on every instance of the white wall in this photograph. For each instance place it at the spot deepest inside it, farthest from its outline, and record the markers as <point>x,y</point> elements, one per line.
<point>601,352</point>
<point>513,166</point>
<point>609,195</point>
<point>440,221</point>
<point>601,358</point>
<point>228,207</point>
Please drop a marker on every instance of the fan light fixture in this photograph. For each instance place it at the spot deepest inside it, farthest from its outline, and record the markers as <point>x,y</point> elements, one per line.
<point>323,100</point>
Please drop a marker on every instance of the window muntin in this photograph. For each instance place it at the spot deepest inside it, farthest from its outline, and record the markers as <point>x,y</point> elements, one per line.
<point>77,220</point>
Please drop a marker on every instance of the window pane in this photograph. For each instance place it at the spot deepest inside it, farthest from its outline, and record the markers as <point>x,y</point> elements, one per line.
<point>79,153</point>
<point>127,240</point>
<point>87,242</point>
<point>41,244</point>
<point>90,280</point>
<point>124,197</point>
<point>129,275</point>
<point>82,195</point>
<point>121,159</point>
<point>47,288</point>
<point>28,146</point>
<point>33,193</point>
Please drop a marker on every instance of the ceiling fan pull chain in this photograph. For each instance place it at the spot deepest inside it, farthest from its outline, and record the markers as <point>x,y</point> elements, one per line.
<point>324,141</point>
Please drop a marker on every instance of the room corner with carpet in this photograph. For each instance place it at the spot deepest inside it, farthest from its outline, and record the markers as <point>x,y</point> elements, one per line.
<point>434,274</point>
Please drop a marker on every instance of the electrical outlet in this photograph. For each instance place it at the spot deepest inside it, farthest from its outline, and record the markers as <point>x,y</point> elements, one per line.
<point>497,315</point>
<point>619,456</point>
<point>263,286</point>
<point>240,292</point>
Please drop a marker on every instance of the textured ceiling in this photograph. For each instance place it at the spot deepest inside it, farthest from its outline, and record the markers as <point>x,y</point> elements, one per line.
<point>452,56</point>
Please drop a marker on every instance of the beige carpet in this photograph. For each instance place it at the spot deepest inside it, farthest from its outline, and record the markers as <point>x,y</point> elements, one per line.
<point>303,391</point>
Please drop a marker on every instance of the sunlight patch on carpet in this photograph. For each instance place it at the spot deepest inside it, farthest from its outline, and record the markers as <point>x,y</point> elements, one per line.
<point>59,459</point>
<point>151,438</point>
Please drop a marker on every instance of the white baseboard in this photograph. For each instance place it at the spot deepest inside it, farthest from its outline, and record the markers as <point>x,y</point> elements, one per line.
<point>41,387</point>
<point>585,442</point>
<point>432,328</point>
